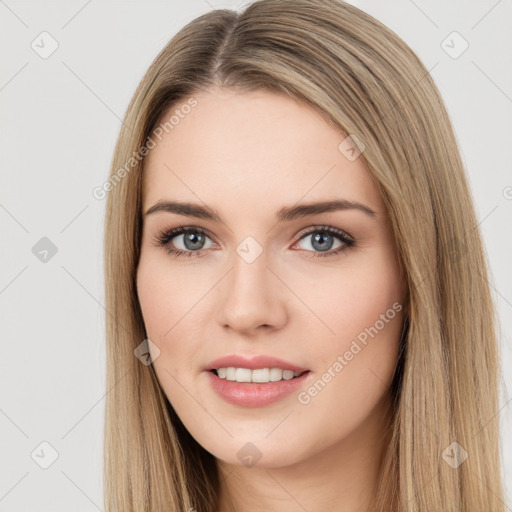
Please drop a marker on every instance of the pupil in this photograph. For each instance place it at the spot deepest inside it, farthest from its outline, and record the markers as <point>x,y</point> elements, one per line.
<point>321,239</point>
<point>192,241</point>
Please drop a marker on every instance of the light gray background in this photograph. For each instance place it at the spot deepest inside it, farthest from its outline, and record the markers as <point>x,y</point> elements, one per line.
<point>60,119</point>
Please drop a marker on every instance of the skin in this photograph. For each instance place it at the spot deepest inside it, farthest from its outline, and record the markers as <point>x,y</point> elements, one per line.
<point>247,155</point>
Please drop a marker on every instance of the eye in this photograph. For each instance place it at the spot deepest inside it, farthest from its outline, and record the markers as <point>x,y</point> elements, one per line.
<point>193,241</point>
<point>323,239</point>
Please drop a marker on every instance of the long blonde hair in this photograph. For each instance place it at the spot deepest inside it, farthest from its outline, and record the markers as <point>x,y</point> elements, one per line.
<point>366,81</point>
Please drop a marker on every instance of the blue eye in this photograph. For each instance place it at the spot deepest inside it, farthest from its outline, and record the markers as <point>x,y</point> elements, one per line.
<point>192,237</point>
<point>323,239</point>
<point>194,241</point>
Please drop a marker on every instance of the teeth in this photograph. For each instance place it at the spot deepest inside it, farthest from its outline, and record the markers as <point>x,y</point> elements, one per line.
<point>262,375</point>
<point>243,375</point>
<point>259,375</point>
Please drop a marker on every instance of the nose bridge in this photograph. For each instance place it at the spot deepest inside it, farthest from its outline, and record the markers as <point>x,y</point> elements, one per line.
<point>250,298</point>
<point>250,273</point>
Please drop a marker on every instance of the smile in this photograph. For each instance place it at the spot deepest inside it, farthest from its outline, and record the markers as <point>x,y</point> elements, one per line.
<point>250,393</point>
<point>260,375</point>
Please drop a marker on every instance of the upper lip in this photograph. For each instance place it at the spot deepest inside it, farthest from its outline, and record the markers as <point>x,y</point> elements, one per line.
<point>261,361</point>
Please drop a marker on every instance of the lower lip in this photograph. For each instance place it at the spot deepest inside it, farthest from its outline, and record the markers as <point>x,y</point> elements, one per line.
<point>254,394</point>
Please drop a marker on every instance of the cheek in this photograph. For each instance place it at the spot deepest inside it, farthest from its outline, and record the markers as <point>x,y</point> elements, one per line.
<point>361,312</point>
<point>355,368</point>
<point>174,317</point>
<point>165,295</point>
<point>349,299</point>
<point>164,303</point>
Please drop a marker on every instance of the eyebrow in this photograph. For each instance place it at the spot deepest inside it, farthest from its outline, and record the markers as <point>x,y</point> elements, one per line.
<point>285,214</point>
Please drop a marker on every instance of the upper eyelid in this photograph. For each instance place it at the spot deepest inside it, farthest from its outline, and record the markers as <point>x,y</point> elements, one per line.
<point>303,233</point>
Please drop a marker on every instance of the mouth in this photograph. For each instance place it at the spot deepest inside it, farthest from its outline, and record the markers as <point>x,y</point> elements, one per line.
<point>255,380</point>
<point>259,387</point>
<point>258,375</point>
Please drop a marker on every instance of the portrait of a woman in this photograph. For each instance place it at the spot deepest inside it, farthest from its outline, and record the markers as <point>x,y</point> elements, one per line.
<point>299,309</point>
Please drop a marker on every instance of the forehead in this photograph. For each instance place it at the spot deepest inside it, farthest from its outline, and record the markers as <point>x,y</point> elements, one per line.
<point>251,149</point>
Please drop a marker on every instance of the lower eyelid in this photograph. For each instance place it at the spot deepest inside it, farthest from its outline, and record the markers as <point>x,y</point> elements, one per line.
<point>344,238</point>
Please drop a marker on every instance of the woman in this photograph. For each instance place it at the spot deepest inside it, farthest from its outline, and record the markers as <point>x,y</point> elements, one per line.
<point>299,311</point>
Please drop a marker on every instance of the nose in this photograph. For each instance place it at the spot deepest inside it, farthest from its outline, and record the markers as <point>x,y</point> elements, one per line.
<point>252,298</point>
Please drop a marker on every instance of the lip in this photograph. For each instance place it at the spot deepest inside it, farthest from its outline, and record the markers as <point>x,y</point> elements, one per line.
<point>254,394</point>
<point>261,361</point>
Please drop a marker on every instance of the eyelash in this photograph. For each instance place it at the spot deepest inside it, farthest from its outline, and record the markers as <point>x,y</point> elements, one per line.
<point>163,238</point>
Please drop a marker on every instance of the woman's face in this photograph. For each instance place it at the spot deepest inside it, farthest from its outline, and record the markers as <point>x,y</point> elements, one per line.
<point>262,275</point>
